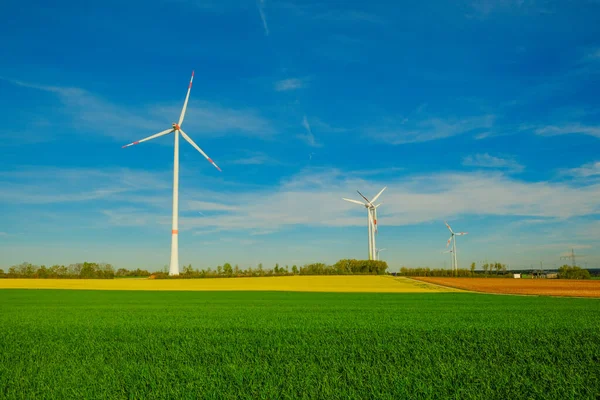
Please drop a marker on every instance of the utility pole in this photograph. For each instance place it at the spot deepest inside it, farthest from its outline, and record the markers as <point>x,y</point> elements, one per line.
<point>572,257</point>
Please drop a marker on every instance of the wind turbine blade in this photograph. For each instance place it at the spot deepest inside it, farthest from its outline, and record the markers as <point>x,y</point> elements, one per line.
<point>190,141</point>
<point>448,226</point>
<point>361,195</point>
<point>448,242</point>
<point>165,132</point>
<point>187,96</point>
<point>353,201</point>
<point>461,233</point>
<point>378,194</point>
<point>379,204</point>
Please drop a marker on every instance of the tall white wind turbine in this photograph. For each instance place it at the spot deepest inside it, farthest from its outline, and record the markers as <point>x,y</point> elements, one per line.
<point>371,219</point>
<point>176,128</point>
<point>453,240</point>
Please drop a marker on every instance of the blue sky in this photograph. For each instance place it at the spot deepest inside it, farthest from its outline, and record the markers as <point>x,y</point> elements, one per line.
<point>482,113</point>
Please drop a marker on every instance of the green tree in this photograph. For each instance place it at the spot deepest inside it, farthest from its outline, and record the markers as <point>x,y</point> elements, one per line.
<point>294,269</point>
<point>43,272</point>
<point>567,272</point>
<point>472,268</point>
<point>227,270</point>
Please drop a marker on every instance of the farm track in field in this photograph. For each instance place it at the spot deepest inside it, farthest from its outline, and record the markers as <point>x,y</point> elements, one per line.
<point>546,287</point>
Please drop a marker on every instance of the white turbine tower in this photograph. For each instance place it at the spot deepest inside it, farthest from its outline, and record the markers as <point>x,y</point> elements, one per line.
<point>176,127</point>
<point>377,253</point>
<point>371,219</point>
<point>453,240</point>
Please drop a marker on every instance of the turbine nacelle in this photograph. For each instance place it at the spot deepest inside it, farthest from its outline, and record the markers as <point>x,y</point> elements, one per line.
<point>176,126</point>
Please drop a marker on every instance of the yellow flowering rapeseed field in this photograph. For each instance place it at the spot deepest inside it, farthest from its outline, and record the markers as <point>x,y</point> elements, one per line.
<point>348,283</point>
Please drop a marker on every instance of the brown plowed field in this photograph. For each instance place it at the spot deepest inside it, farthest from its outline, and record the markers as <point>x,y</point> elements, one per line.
<point>548,287</point>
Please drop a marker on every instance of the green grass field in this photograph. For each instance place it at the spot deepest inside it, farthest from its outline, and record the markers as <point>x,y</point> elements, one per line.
<point>120,344</point>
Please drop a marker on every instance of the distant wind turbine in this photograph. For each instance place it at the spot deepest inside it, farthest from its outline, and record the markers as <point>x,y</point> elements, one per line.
<point>453,240</point>
<point>371,219</point>
<point>176,128</point>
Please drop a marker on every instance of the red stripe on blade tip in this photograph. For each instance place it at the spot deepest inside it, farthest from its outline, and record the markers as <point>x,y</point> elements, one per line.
<point>174,231</point>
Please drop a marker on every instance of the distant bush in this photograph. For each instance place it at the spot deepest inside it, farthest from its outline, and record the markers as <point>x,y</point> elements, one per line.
<point>122,273</point>
<point>346,267</point>
<point>567,272</point>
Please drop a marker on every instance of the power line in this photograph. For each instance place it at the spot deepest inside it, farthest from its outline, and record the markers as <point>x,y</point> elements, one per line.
<point>572,257</point>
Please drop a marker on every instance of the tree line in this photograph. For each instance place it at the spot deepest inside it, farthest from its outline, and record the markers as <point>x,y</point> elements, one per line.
<point>488,269</point>
<point>85,270</point>
<point>491,270</point>
<point>89,270</point>
<point>568,272</point>
<point>342,267</point>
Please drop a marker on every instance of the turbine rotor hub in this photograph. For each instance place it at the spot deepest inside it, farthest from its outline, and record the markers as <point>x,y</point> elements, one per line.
<point>176,126</point>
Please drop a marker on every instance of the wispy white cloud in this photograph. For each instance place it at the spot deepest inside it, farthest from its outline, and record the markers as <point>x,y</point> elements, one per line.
<point>427,129</point>
<point>485,160</point>
<point>263,17</point>
<point>47,185</point>
<point>323,126</point>
<point>214,120</point>
<point>575,247</point>
<point>345,15</point>
<point>585,171</point>
<point>486,8</point>
<point>594,54</point>
<point>255,158</point>
<point>376,171</point>
<point>308,138</point>
<point>120,122</point>
<point>409,199</point>
<point>197,205</point>
<point>290,84</point>
<point>553,130</point>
